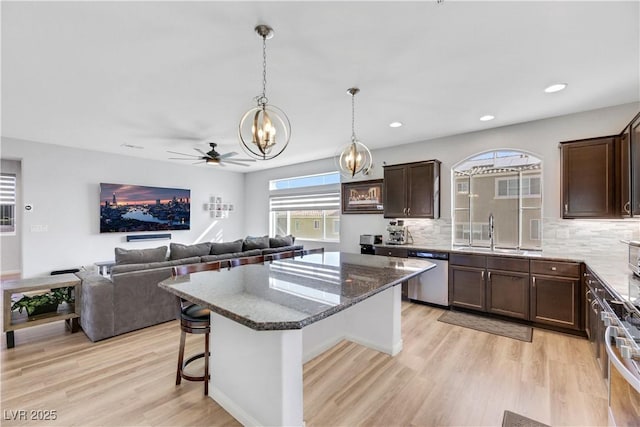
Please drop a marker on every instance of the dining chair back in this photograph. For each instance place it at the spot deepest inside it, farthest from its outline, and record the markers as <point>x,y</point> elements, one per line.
<point>237,262</point>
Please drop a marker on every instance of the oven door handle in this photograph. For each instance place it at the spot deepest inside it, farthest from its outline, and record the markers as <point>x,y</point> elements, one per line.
<point>632,379</point>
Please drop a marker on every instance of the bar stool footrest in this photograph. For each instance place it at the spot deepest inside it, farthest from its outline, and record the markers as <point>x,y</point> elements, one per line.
<point>184,365</point>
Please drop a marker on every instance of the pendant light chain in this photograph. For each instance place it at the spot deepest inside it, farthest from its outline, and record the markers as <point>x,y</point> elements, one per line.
<point>353,117</point>
<point>263,99</point>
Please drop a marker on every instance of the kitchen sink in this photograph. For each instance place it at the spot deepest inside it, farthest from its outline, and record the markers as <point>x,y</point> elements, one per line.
<point>497,251</point>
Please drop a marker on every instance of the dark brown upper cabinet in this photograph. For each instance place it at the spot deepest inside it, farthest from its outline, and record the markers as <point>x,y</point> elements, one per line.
<point>588,178</point>
<point>601,176</point>
<point>412,190</point>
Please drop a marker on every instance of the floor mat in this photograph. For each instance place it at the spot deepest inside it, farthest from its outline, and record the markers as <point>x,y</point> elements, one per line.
<point>511,419</point>
<point>484,324</point>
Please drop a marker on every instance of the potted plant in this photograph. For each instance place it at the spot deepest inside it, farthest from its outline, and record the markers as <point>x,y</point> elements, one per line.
<point>44,303</point>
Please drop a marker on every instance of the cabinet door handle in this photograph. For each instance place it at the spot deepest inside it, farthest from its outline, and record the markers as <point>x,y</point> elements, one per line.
<point>489,275</point>
<point>553,268</point>
<point>566,208</point>
<point>627,207</point>
<point>482,274</point>
<point>404,211</point>
<point>408,211</point>
<point>533,279</point>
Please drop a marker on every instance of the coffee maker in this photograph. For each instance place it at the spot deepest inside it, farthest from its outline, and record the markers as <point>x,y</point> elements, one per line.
<point>397,233</point>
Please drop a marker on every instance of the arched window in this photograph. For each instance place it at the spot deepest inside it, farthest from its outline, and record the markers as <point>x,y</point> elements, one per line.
<point>506,185</point>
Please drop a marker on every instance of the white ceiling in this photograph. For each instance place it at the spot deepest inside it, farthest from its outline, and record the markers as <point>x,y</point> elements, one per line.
<point>97,75</point>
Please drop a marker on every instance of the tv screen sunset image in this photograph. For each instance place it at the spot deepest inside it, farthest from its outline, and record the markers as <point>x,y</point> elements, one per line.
<point>126,208</point>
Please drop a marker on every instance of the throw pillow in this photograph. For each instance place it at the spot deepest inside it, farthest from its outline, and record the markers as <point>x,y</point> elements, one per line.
<point>280,241</point>
<point>140,256</point>
<point>179,251</point>
<point>255,243</point>
<point>226,247</point>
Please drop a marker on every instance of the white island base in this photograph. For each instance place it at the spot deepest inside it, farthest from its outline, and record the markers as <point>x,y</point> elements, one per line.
<point>256,376</point>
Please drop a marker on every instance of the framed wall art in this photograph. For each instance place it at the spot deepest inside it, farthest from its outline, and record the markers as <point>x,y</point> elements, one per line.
<point>362,197</point>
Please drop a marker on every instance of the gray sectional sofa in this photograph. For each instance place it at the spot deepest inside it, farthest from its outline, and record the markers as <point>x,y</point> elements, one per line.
<point>130,298</point>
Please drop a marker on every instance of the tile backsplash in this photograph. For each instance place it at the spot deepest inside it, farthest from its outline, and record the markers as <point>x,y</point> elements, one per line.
<point>577,236</point>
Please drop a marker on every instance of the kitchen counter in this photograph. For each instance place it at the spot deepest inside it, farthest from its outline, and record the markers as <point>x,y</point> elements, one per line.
<point>291,294</point>
<point>611,270</point>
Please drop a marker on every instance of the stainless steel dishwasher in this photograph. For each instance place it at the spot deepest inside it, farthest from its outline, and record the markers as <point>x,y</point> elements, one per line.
<point>433,286</point>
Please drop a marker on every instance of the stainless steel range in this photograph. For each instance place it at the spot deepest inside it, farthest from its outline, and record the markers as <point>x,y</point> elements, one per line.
<point>622,345</point>
<point>634,256</point>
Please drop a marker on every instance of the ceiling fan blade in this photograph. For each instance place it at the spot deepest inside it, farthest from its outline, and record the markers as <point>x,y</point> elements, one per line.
<point>182,154</point>
<point>230,154</point>
<point>197,163</point>
<point>202,152</point>
<point>183,158</point>
<point>233,162</point>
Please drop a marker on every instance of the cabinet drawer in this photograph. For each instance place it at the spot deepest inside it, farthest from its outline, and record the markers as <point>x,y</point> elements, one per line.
<point>508,264</point>
<point>555,268</point>
<point>468,260</point>
<point>398,252</point>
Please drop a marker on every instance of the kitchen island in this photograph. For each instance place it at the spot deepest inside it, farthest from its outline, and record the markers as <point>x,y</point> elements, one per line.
<point>268,319</point>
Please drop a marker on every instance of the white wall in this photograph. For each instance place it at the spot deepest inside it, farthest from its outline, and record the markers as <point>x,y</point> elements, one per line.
<point>539,137</point>
<point>11,245</point>
<point>62,184</point>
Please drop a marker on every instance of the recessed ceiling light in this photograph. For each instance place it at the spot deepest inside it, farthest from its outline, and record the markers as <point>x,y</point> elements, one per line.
<point>395,124</point>
<point>555,88</point>
<point>487,118</point>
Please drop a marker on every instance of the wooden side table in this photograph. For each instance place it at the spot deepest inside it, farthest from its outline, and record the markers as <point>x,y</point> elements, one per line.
<point>68,312</point>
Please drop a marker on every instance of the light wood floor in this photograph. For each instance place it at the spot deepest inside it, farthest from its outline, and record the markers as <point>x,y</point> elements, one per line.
<point>445,376</point>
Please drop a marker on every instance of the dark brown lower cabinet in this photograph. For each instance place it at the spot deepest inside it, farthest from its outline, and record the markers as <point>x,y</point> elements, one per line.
<point>508,293</point>
<point>556,301</point>
<point>467,287</point>
<point>541,291</point>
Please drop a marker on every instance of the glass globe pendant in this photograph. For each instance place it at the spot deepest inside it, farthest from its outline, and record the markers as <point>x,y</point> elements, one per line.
<point>355,158</point>
<point>264,130</point>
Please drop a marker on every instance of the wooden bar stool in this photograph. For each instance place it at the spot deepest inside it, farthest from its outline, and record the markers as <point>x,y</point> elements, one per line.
<point>194,319</point>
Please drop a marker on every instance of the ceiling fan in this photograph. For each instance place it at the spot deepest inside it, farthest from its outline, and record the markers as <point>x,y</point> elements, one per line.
<point>212,157</point>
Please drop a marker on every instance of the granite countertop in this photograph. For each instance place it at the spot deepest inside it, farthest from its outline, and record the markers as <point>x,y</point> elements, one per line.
<point>293,293</point>
<point>612,270</point>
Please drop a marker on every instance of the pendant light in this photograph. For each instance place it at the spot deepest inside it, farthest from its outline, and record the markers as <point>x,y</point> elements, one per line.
<point>264,130</point>
<point>355,158</point>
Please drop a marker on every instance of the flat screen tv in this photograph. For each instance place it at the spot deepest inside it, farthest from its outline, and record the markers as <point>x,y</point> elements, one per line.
<point>126,208</point>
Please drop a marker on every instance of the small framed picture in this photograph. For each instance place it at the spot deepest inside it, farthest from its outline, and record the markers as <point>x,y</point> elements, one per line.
<point>362,197</point>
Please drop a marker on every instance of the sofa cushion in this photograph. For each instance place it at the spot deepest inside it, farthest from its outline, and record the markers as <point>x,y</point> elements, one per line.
<point>179,251</point>
<point>255,243</point>
<point>268,251</point>
<point>231,255</point>
<point>126,268</point>
<point>280,241</point>
<point>139,256</point>
<point>225,247</point>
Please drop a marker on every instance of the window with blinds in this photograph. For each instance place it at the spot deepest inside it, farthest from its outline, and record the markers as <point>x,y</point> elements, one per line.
<point>7,203</point>
<point>307,207</point>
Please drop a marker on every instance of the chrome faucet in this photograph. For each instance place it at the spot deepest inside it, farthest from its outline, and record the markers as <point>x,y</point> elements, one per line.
<point>491,232</point>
